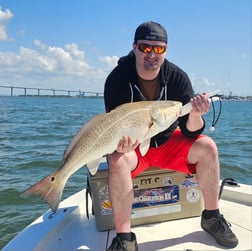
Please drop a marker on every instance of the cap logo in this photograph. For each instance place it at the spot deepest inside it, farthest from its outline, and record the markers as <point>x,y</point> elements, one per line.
<point>149,37</point>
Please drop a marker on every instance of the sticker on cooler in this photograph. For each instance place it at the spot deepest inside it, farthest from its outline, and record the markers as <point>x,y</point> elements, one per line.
<point>103,191</point>
<point>105,203</point>
<point>155,196</point>
<point>188,183</point>
<point>106,208</point>
<point>167,181</point>
<point>193,195</point>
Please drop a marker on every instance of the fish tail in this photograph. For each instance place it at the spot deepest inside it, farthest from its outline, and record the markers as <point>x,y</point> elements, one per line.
<point>50,189</point>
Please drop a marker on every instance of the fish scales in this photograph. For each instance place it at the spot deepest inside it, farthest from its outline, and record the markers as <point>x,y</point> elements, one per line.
<point>103,137</point>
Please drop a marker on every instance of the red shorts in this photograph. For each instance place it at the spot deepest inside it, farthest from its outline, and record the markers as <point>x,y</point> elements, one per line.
<point>170,155</point>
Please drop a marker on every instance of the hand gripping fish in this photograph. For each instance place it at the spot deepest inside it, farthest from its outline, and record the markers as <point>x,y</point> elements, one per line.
<point>101,135</point>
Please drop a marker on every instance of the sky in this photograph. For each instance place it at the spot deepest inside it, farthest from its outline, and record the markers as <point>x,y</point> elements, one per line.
<point>73,45</point>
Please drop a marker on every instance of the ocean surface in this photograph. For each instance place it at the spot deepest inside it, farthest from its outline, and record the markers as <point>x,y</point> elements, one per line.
<point>34,132</point>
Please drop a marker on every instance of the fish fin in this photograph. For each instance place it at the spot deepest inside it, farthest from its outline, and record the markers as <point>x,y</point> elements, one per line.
<point>144,146</point>
<point>152,131</point>
<point>93,166</point>
<point>49,189</point>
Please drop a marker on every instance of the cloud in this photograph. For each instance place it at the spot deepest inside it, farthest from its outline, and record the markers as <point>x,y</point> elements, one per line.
<point>52,67</point>
<point>207,82</point>
<point>111,62</point>
<point>39,44</point>
<point>202,84</point>
<point>5,17</point>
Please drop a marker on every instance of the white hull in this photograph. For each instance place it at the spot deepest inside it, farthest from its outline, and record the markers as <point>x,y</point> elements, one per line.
<point>70,230</point>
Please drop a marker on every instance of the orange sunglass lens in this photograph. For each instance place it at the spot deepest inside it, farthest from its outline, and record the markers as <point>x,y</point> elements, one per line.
<point>147,49</point>
<point>159,49</point>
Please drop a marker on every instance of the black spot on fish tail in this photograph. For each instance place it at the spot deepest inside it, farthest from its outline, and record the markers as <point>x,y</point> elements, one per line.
<point>49,189</point>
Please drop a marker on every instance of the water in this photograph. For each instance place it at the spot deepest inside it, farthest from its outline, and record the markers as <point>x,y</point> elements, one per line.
<point>34,132</point>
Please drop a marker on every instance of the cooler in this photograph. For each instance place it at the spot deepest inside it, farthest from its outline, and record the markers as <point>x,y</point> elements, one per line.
<point>159,195</point>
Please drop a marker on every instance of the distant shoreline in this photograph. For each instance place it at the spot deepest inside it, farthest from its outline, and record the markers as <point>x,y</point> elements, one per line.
<point>223,98</point>
<point>47,92</point>
<point>53,92</point>
<point>51,96</point>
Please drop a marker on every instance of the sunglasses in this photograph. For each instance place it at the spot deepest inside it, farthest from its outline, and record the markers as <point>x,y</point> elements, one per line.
<point>147,48</point>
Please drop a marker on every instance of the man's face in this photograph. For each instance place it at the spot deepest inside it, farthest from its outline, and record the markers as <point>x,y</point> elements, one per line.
<point>150,55</point>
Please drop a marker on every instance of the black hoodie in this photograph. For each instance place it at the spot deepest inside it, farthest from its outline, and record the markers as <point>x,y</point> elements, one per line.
<point>122,86</point>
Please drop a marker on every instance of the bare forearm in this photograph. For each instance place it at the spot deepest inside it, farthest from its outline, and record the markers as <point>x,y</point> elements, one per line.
<point>194,123</point>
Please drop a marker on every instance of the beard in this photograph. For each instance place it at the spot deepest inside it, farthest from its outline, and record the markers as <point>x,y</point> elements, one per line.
<point>151,65</point>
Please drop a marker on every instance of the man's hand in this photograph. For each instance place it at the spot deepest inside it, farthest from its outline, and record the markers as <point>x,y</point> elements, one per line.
<point>200,105</point>
<point>126,145</point>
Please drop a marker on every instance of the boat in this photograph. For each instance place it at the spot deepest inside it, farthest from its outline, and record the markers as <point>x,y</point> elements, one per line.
<point>72,228</point>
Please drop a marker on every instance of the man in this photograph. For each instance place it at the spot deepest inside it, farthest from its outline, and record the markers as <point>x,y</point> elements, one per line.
<point>145,74</point>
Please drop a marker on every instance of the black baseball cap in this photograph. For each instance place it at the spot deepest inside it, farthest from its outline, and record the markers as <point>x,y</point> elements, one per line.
<point>151,31</point>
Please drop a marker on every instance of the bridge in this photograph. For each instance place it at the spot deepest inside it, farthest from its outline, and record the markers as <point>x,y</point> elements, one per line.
<point>33,91</point>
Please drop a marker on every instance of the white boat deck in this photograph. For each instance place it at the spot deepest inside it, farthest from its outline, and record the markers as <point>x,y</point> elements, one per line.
<point>70,230</point>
